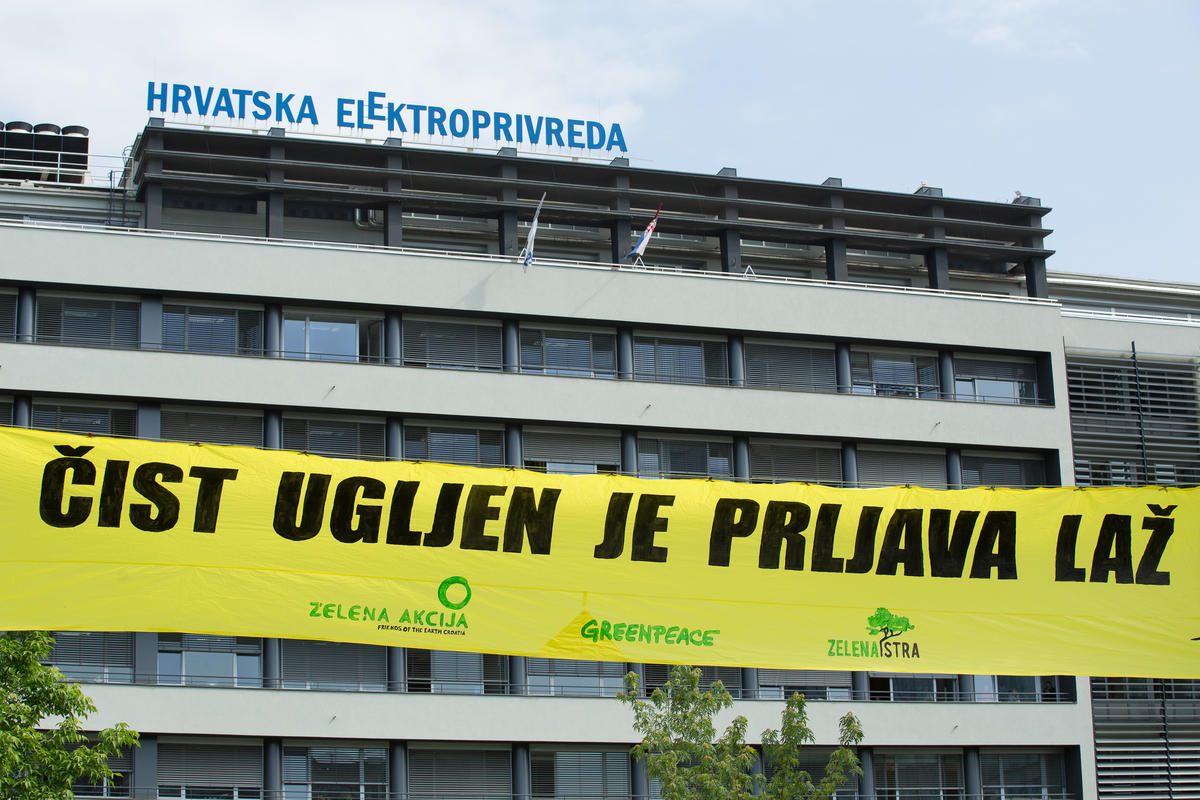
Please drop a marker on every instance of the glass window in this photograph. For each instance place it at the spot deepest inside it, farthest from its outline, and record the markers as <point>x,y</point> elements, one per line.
<point>995,470</point>
<point>895,374</point>
<point>683,458</point>
<point>207,329</point>
<point>334,437</point>
<point>94,656</point>
<point>560,676</point>
<point>332,337</point>
<point>84,419</point>
<point>567,352</point>
<point>452,344</point>
<point>659,358</point>
<point>453,445</point>
<point>448,672</point>
<point>87,321</point>
<point>577,773</point>
<point>116,786</point>
<point>203,660</point>
<point>995,380</point>
<point>919,776</point>
<point>571,452</point>
<point>335,773</point>
<point>1016,775</point>
<point>913,688</point>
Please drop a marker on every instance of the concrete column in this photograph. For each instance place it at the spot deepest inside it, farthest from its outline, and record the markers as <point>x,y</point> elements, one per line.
<point>860,686</point>
<point>836,265</point>
<point>149,421</point>
<point>730,238</point>
<point>972,776</point>
<point>150,322</point>
<point>966,688</point>
<point>273,330</point>
<point>866,781</point>
<point>393,212</point>
<point>737,360</point>
<point>273,769</point>
<point>741,458</point>
<point>621,229</point>
<point>397,770</point>
<point>397,669</point>
<point>152,195</point>
<point>640,671</point>
<point>639,783</point>
<point>22,411</point>
<point>1035,268</point>
<point>26,314</point>
<point>937,264</point>
<point>625,353</point>
<point>393,438</point>
<point>844,375</point>
<point>849,464</point>
<point>510,346</point>
<point>520,771</point>
<point>144,780</point>
<point>512,445</point>
<point>145,658</point>
<point>509,242</point>
<point>946,375</point>
<point>954,478</point>
<point>629,452</point>
<point>518,675</point>
<point>275,178</point>
<point>393,338</point>
<point>272,663</point>
<point>272,429</point>
<point>750,683</point>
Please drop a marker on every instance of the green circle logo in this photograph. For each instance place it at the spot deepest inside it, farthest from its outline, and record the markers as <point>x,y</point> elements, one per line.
<point>444,590</point>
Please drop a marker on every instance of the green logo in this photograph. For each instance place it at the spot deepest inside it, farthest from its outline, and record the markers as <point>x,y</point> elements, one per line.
<point>444,592</point>
<point>889,624</point>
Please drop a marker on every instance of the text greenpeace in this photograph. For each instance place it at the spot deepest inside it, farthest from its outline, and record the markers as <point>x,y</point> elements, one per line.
<point>107,534</point>
<point>379,114</point>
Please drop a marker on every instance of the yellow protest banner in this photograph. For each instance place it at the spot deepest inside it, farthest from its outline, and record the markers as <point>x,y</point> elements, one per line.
<point>109,534</point>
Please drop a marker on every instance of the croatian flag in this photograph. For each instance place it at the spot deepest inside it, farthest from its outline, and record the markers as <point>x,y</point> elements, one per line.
<point>639,249</point>
<point>532,233</point>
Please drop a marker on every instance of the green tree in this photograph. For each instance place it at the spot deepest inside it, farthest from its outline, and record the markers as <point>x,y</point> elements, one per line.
<point>42,764</point>
<point>887,623</point>
<point>683,752</point>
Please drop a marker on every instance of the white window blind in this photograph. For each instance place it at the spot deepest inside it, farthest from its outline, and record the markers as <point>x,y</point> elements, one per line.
<point>214,427</point>
<point>8,316</point>
<point>438,774</point>
<point>330,437</point>
<point>684,458</point>
<point>789,366</point>
<point>453,344</point>
<point>676,360</point>
<point>211,766</point>
<point>781,461</point>
<point>901,468</point>
<point>87,321</point>
<point>567,352</point>
<point>105,656</point>
<point>577,774</point>
<point>308,664</point>
<point>453,445</point>
<point>85,419</point>
<point>599,449</point>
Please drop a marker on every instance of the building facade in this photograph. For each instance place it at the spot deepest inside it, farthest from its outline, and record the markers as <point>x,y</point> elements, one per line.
<point>365,300</point>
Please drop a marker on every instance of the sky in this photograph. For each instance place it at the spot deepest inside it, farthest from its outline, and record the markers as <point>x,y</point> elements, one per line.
<point>1090,105</point>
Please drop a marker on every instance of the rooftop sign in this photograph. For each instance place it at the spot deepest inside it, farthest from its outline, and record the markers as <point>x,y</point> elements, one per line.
<point>377,114</point>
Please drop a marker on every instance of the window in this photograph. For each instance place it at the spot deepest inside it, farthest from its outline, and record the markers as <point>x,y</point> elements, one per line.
<point>333,665</point>
<point>775,365</point>
<point>919,776</point>
<point>569,452</point>
<point>324,336</point>
<point>731,677</point>
<point>659,358</point>
<point>448,672</point>
<point>94,656</point>
<point>1016,775</point>
<point>568,352</point>
<point>335,773</point>
<point>779,684</point>
<point>207,329</point>
<point>778,461</point>
<point>895,374</point>
<point>8,316</point>
<point>194,659</point>
<point>116,786</point>
<point>995,380</point>
<point>994,470</point>
<point>214,427</point>
<point>87,321</point>
<point>812,759</point>
<point>560,676</point>
<point>472,774</point>
<point>452,344</point>
<point>900,467</point>
<point>912,688</point>
<point>6,411</point>
<point>683,458</point>
<point>97,420</point>
<point>453,445</point>
<point>334,437</point>
<point>209,771</point>
<point>1033,688</point>
<point>578,774</point>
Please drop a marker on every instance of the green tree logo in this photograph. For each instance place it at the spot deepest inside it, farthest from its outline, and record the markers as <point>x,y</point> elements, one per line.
<point>889,624</point>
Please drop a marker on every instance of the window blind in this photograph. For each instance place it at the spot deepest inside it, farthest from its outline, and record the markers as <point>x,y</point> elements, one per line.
<point>209,329</point>
<point>579,774</point>
<point>788,366</point>
<point>658,358</point>
<point>449,773</point>
<point>308,664</point>
<point>1003,471</point>
<point>778,461</point>
<point>215,427</point>
<point>210,765</point>
<point>87,321</point>
<point>919,775</point>
<point>567,352</point>
<point>334,437</point>
<point>8,316</point>
<point>453,445</point>
<point>85,419</point>
<point>444,343</point>
<point>684,457</point>
<point>901,468</point>
<point>577,447</point>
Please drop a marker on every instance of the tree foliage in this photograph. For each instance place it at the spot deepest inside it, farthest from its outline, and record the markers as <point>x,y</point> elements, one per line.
<point>889,624</point>
<point>42,764</point>
<point>683,752</point>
